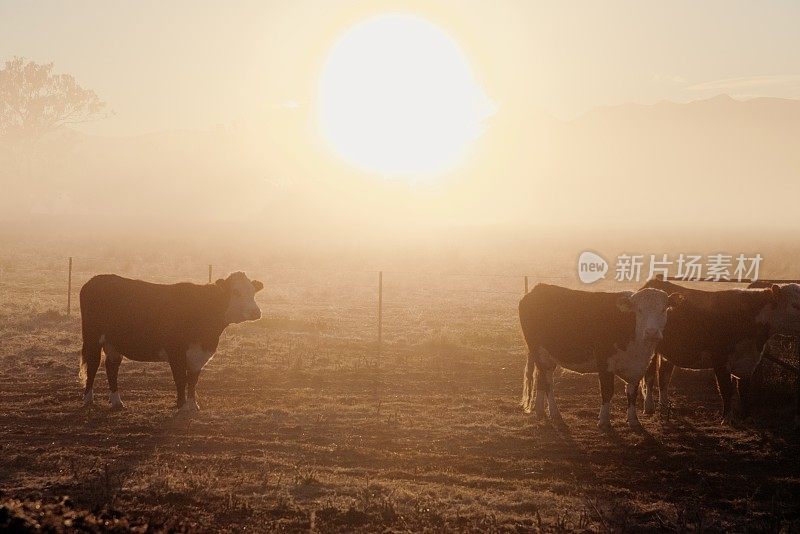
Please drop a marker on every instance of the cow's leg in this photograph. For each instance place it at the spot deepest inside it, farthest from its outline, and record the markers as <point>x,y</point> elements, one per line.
<point>113,361</point>
<point>543,369</point>
<point>90,362</point>
<point>541,392</point>
<point>179,375</point>
<point>725,386</point>
<point>545,394</point>
<point>549,390</point>
<point>649,384</point>
<point>606,393</point>
<point>743,386</point>
<point>665,370</point>
<point>632,392</point>
<point>191,383</point>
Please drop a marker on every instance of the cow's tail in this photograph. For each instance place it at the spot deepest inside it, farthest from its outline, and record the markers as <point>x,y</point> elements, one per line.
<point>528,391</point>
<point>525,319</point>
<point>90,358</point>
<point>91,349</point>
<point>90,355</point>
<point>82,371</point>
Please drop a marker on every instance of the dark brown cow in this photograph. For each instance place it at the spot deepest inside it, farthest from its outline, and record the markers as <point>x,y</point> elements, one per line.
<point>587,332</point>
<point>178,323</point>
<point>721,330</point>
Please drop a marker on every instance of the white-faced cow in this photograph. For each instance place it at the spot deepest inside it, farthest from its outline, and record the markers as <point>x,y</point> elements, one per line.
<point>177,323</point>
<point>721,330</point>
<point>587,332</point>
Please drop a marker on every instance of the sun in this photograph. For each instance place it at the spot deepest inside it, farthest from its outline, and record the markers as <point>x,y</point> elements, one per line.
<point>398,97</point>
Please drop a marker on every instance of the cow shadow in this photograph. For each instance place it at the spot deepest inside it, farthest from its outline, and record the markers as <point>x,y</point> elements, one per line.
<point>694,453</point>
<point>620,435</point>
<point>100,481</point>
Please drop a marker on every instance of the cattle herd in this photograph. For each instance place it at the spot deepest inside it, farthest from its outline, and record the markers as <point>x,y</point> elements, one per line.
<point>638,336</point>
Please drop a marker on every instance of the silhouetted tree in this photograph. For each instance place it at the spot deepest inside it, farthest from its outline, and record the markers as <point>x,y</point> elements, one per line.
<point>34,101</point>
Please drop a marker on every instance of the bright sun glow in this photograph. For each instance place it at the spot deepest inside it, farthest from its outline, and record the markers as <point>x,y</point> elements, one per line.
<point>397,96</point>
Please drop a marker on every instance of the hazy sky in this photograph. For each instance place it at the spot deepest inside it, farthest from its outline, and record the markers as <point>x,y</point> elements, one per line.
<point>194,64</point>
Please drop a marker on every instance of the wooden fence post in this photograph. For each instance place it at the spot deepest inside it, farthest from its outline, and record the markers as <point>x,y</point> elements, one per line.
<point>526,285</point>
<point>209,274</point>
<point>69,287</point>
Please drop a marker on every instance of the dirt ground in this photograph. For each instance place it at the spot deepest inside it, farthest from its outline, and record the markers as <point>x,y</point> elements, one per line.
<point>305,427</point>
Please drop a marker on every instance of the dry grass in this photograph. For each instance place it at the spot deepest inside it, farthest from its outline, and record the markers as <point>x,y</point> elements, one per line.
<point>304,428</point>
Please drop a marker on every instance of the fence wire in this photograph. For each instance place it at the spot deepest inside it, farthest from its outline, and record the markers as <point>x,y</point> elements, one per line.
<point>344,300</point>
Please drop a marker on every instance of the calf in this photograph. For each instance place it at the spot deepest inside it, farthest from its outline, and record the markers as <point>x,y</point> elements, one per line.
<point>721,330</point>
<point>178,323</point>
<point>586,332</point>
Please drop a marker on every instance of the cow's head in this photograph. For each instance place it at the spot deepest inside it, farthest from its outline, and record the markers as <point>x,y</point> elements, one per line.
<point>651,307</point>
<point>783,313</point>
<point>241,292</point>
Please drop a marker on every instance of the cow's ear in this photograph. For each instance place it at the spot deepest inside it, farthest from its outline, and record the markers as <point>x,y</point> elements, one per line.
<point>659,277</point>
<point>624,303</point>
<point>675,300</point>
<point>258,285</point>
<point>776,291</point>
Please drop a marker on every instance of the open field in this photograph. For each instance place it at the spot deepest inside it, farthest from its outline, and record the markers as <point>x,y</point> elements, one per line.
<point>303,426</point>
<point>325,220</point>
